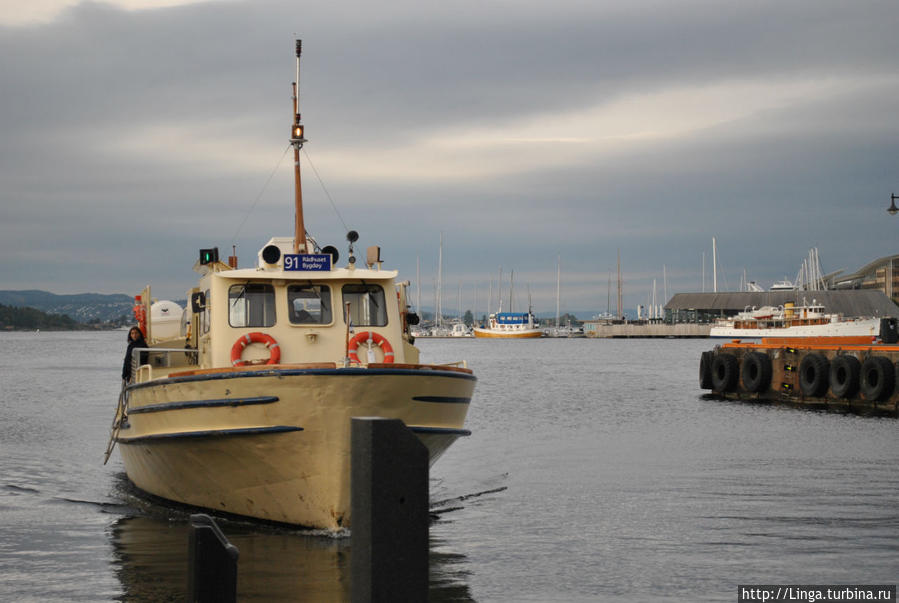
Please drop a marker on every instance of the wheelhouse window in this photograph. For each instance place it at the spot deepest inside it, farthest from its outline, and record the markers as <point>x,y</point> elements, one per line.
<point>251,305</point>
<point>309,304</point>
<point>368,307</point>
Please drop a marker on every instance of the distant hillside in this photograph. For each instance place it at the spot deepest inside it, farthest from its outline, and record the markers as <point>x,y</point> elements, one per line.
<point>87,308</point>
<point>14,318</point>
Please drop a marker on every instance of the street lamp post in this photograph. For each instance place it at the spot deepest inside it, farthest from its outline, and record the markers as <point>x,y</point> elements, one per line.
<point>892,209</point>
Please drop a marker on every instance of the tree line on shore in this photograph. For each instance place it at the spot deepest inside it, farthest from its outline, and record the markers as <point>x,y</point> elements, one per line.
<point>17,318</point>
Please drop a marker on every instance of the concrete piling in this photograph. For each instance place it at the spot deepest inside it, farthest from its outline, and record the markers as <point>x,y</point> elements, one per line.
<point>389,506</point>
<point>212,571</point>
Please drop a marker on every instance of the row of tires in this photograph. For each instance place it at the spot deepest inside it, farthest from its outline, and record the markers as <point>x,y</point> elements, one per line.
<point>844,375</point>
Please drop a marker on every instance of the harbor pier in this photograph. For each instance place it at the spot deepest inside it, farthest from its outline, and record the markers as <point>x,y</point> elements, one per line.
<point>646,329</point>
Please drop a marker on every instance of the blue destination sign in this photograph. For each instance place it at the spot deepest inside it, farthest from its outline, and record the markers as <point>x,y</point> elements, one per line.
<point>320,262</point>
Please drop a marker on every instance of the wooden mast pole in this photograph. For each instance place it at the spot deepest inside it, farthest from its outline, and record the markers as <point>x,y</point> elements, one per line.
<point>297,139</point>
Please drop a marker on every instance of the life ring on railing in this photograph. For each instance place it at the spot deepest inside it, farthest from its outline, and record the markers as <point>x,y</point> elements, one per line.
<point>370,336</point>
<point>237,349</point>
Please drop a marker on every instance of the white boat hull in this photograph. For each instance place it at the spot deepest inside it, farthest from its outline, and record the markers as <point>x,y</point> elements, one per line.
<point>508,334</point>
<point>274,443</point>
<point>848,328</point>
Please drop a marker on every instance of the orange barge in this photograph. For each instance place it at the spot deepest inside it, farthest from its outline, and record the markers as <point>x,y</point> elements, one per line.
<point>848,374</point>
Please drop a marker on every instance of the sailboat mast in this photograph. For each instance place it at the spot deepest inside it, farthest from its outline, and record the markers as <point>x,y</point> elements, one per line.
<point>489,298</point>
<point>439,314</point>
<point>609,295</point>
<point>297,140</point>
<point>499,294</point>
<point>558,281</point>
<point>619,285</point>
<point>714,265</point>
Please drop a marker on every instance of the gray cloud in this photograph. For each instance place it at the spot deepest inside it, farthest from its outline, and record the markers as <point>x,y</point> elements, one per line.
<point>130,139</point>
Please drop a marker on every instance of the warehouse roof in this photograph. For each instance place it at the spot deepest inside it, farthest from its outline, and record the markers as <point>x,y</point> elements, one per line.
<point>852,303</point>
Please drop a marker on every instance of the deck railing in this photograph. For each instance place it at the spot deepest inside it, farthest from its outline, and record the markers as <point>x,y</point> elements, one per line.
<point>162,358</point>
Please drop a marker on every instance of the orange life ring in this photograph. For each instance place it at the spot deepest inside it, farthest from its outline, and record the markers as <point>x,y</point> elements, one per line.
<point>140,315</point>
<point>370,336</point>
<point>255,337</point>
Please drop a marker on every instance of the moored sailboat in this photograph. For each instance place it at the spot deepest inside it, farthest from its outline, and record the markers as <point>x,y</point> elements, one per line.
<point>248,412</point>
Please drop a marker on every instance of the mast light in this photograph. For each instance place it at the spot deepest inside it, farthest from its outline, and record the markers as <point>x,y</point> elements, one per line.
<point>209,256</point>
<point>296,134</point>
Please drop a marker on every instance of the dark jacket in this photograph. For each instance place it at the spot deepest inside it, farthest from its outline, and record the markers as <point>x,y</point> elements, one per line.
<point>140,342</point>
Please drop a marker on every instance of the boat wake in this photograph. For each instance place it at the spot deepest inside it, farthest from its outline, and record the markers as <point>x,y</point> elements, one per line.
<point>447,504</point>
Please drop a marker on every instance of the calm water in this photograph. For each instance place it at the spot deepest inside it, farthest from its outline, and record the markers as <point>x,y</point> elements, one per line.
<point>596,472</point>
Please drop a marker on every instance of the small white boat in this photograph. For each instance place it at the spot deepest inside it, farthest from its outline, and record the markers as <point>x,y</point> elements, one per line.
<point>783,285</point>
<point>249,410</point>
<point>564,331</point>
<point>789,320</point>
<point>460,330</point>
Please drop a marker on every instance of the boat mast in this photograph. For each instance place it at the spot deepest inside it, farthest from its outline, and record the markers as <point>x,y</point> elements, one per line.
<point>620,314</point>
<point>438,317</point>
<point>609,295</point>
<point>558,280</point>
<point>714,265</point>
<point>499,294</point>
<point>297,140</point>
<point>489,297</point>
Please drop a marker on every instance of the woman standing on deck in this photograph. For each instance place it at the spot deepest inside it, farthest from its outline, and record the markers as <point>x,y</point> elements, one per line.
<point>135,340</point>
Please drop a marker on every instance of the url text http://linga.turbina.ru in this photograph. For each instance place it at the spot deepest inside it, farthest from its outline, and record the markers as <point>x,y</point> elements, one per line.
<point>771,593</point>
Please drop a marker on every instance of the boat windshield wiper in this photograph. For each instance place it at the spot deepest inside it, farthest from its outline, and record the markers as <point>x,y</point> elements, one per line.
<point>372,299</point>
<point>243,292</point>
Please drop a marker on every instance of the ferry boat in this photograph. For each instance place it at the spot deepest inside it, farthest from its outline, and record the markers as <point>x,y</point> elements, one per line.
<point>789,320</point>
<point>510,325</point>
<point>249,411</point>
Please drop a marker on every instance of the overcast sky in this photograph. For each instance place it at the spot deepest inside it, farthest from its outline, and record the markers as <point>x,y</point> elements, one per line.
<point>136,132</point>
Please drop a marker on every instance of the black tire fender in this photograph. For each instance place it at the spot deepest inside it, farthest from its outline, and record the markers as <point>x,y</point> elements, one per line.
<point>814,375</point>
<point>878,379</point>
<point>756,372</point>
<point>725,372</point>
<point>844,376</point>
<point>705,370</point>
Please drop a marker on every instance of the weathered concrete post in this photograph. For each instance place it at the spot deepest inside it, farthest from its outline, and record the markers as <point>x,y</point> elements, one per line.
<point>212,574</point>
<point>389,506</point>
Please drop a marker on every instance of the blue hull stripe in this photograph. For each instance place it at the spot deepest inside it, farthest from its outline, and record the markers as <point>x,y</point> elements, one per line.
<point>202,404</point>
<point>212,433</point>
<point>444,399</point>
<point>341,372</point>
<point>440,431</point>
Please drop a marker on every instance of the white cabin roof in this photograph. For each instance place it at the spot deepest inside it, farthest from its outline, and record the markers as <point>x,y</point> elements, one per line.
<point>337,274</point>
